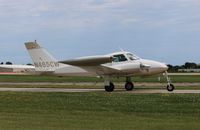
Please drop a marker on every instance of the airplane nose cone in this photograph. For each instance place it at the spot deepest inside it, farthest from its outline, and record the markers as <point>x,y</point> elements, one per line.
<point>155,67</point>
<point>164,67</point>
<point>160,67</point>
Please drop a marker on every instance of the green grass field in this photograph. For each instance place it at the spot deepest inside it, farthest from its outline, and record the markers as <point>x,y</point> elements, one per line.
<point>99,111</point>
<point>29,78</point>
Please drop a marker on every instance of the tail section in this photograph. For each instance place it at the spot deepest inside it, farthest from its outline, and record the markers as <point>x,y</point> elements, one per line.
<point>43,60</point>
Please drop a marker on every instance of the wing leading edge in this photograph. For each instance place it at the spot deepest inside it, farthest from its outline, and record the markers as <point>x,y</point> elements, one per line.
<point>94,64</point>
<point>88,61</point>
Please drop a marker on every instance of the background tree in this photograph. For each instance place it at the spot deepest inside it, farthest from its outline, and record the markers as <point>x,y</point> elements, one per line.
<point>29,64</point>
<point>8,63</point>
<point>189,65</point>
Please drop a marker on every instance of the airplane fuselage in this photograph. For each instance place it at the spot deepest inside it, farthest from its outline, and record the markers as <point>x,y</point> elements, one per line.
<point>127,68</point>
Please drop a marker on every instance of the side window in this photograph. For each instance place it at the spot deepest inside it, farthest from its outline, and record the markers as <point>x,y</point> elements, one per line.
<point>132,57</point>
<point>119,58</point>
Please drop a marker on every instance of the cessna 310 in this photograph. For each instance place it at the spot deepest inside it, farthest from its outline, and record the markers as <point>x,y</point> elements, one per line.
<point>120,64</point>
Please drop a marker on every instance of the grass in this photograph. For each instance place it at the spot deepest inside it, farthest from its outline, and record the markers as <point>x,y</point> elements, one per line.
<point>99,111</point>
<point>29,78</point>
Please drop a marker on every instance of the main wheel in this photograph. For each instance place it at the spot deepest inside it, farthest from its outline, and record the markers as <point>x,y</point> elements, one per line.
<point>110,88</point>
<point>129,86</point>
<point>170,87</point>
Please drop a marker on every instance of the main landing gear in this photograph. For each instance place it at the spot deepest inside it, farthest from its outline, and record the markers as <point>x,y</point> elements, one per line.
<point>129,85</point>
<point>109,86</point>
<point>170,86</point>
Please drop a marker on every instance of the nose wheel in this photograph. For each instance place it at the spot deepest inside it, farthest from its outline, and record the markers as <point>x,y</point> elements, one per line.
<point>170,86</point>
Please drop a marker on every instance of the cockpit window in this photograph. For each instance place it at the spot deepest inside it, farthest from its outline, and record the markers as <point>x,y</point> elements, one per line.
<point>132,57</point>
<point>119,58</point>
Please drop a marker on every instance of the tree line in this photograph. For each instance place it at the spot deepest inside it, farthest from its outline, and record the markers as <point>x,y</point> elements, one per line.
<point>7,63</point>
<point>187,65</point>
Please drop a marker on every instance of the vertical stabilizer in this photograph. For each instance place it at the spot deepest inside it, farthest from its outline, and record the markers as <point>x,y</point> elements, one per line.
<point>43,60</point>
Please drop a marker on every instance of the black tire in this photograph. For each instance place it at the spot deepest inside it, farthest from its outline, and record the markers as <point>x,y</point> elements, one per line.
<point>129,86</point>
<point>110,88</point>
<point>170,87</point>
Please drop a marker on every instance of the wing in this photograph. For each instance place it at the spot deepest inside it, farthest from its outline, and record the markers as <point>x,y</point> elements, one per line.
<point>89,61</point>
<point>94,64</point>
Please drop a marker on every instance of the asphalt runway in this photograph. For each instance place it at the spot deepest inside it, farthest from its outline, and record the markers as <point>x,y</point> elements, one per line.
<point>140,91</point>
<point>147,91</point>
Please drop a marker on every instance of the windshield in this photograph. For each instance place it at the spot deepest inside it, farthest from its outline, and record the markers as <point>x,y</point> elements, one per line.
<point>119,58</point>
<point>132,57</point>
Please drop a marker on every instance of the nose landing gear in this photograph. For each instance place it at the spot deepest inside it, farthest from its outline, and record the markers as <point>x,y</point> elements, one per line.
<point>170,86</point>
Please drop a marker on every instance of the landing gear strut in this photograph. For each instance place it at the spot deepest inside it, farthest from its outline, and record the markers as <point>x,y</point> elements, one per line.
<point>170,86</point>
<point>129,85</point>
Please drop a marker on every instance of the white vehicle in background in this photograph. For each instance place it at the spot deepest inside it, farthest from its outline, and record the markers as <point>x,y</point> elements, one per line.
<point>120,64</point>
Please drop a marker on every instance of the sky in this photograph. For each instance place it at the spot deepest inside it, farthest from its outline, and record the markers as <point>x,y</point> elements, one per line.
<point>162,30</point>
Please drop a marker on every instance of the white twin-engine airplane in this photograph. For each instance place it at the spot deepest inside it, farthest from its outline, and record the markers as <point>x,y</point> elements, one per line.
<point>120,64</point>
